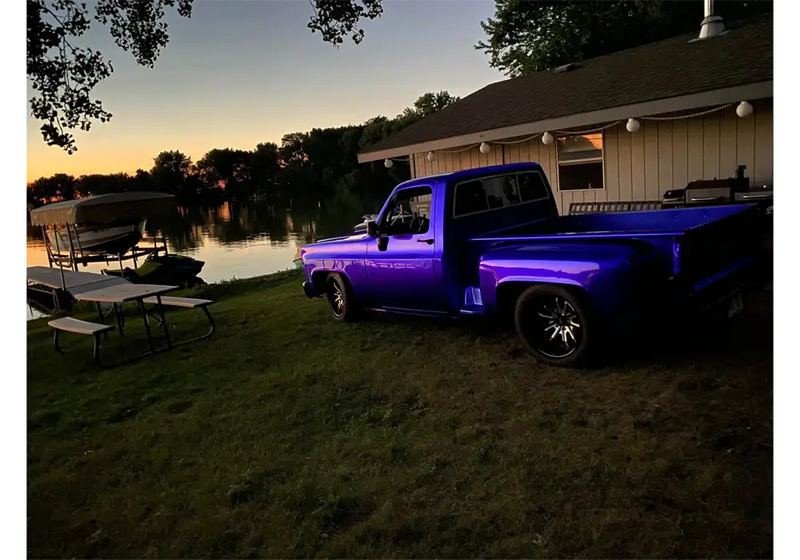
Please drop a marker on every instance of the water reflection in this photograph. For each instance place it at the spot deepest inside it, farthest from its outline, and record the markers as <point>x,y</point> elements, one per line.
<point>240,239</point>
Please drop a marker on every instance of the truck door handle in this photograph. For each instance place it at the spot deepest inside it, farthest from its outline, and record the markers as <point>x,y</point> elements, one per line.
<point>428,241</point>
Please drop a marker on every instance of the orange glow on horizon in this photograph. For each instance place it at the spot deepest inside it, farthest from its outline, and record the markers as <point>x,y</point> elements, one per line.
<point>46,161</point>
<point>106,150</point>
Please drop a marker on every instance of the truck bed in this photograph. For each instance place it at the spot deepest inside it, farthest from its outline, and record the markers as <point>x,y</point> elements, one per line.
<point>695,243</point>
<point>618,224</point>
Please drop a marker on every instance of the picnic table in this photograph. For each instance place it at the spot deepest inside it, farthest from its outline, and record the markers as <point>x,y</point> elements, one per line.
<point>112,290</point>
<point>123,293</point>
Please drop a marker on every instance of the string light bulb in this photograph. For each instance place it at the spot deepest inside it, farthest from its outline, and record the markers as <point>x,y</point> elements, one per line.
<point>387,163</point>
<point>632,125</point>
<point>431,156</point>
<point>484,148</point>
<point>744,109</point>
<point>547,138</point>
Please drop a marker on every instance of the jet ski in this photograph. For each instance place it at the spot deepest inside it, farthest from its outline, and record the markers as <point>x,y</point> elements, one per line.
<point>172,270</point>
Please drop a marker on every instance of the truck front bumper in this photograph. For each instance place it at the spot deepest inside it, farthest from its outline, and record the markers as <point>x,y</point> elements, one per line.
<point>308,290</point>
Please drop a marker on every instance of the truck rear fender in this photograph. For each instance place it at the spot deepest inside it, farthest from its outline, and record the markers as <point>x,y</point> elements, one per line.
<point>508,290</point>
<point>605,288</point>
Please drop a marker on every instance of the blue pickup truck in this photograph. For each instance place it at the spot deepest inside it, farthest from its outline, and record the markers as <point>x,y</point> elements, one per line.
<point>490,241</point>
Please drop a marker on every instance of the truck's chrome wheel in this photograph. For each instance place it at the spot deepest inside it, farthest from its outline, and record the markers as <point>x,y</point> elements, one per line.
<point>343,306</point>
<point>336,299</point>
<point>556,327</point>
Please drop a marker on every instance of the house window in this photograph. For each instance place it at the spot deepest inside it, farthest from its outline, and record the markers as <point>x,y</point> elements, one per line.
<point>580,162</point>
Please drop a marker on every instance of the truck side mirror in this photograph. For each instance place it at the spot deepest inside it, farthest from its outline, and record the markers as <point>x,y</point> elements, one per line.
<point>372,229</point>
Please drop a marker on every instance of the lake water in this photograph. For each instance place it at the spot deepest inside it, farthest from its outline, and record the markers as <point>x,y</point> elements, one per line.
<point>237,239</point>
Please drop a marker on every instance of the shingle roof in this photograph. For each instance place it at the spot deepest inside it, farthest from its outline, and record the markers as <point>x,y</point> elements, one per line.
<point>669,68</point>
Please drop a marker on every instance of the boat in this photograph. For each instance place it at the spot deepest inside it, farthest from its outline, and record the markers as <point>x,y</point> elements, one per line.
<point>298,258</point>
<point>107,238</point>
<point>99,228</point>
<point>106,228</point>
<point>365,219</point>
<point>96,225</point>
<point>362,227</point>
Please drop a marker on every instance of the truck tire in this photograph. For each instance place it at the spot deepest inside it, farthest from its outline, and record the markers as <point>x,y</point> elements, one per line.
<point>554,325</point>
<point>340,299</point>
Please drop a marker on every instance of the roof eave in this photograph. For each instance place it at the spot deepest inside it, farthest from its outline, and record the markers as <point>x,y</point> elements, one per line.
<point>758,90</point>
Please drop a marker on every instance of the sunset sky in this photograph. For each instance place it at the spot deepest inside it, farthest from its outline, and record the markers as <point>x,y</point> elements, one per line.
<point>240,72</point>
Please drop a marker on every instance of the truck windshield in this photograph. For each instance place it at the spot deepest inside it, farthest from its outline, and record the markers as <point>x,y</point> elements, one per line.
<point>409,212</point>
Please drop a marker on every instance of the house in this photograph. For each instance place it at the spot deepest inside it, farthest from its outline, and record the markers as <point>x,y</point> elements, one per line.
<point>624,126</point>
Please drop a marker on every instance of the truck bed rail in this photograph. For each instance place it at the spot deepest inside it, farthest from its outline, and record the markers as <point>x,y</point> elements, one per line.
<point>577,208</point>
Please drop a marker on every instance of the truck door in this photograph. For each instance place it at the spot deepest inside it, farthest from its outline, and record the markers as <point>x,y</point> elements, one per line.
<point>400,262</point>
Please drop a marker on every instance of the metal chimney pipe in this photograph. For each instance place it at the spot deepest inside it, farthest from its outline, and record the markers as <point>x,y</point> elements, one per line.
<point>712,25</point>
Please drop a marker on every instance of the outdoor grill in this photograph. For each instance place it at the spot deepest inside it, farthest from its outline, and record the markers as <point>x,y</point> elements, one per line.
<point>763,196</point>
<point>673,199</point>
<point>716,191</point>
<point>733,190</point>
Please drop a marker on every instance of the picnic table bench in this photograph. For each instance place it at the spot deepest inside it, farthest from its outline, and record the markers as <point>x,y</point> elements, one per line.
<point>187,303</point>
<point>70,324</point>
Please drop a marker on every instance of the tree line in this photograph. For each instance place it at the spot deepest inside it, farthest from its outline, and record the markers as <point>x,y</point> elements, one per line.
<point>320,163</point>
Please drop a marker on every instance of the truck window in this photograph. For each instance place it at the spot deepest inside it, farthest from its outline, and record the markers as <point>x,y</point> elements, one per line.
<point>470,198</point>
<point>531,186</point>
<point>502,191</point>
<point>409,212</point>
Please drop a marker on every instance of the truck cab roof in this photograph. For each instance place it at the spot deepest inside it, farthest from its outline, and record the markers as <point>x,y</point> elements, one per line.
<point>455,176</point>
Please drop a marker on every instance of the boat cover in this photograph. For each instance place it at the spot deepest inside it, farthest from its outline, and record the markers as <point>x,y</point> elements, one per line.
<point>104,208</point>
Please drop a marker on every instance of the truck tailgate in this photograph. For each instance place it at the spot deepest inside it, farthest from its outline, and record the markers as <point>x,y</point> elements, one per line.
<point>713,251</point>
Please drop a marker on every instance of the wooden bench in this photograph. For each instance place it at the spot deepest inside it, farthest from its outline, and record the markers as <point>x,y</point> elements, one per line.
<point>185,303</point>
<point>188,303</point>
<point>69,324</point>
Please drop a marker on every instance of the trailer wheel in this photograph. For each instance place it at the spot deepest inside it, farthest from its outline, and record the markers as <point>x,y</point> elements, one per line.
<point>554,325</point>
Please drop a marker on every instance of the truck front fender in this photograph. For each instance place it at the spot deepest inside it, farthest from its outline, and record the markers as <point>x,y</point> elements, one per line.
<point>319,277</point>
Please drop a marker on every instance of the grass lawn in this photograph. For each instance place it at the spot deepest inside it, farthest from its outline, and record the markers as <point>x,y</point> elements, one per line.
<point>289,435</point>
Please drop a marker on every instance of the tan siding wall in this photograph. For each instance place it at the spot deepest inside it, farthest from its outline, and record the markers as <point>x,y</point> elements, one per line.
<point>774,144</point>
<point>762,170</point>
<point>662,155</point>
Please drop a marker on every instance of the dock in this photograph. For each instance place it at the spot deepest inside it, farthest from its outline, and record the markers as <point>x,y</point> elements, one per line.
<point>46,284</point>
<point>74,282</point>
